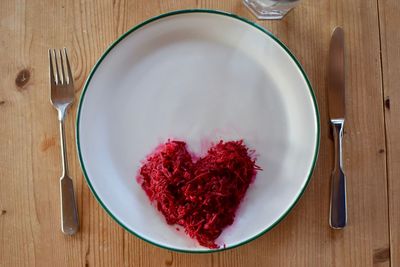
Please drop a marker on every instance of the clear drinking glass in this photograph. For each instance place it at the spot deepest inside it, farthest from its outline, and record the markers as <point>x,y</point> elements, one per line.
<point>270,9</point>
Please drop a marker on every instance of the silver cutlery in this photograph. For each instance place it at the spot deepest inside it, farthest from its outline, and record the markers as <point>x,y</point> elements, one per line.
<point>62,96</point>
<point>336,101</point>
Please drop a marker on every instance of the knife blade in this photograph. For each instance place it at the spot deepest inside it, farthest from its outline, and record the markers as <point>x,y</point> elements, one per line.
<point>336,93</point>
<point>336,106</point>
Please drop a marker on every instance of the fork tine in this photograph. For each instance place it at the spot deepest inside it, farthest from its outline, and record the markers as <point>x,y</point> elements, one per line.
<point>58,77</point>
<point>70,77</point>
<point>64,80</point>
<point>51,70</point>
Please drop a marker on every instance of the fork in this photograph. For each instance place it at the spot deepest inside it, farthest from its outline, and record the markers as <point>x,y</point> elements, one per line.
<point>62,96</point>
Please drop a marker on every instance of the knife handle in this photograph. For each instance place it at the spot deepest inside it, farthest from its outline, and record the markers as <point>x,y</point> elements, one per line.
<point>338,208</point>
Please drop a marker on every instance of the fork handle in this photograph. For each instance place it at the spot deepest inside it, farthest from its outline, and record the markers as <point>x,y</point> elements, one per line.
<point>338,206</point>
<point>64,158</point>
<point>69,212</point>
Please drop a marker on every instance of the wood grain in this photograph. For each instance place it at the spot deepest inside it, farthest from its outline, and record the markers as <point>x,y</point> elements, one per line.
<point>390,38</point>
<point>29,145</point>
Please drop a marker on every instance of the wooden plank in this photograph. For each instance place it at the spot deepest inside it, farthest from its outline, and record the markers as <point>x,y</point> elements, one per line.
<point>29,158</point>
<point>390,38</point>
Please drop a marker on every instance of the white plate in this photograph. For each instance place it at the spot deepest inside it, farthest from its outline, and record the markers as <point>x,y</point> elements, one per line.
<point>199,76</point>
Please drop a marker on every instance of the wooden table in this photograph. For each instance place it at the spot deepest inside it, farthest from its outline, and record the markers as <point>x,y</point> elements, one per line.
<point>29,147</point>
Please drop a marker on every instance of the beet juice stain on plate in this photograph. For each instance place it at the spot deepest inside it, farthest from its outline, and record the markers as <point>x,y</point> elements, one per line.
<point>201,196</point>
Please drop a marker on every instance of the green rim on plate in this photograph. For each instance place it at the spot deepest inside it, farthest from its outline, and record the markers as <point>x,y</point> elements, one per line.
<point>184,12</point>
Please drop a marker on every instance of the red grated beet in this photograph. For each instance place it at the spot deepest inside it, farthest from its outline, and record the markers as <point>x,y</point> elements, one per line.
<point>201,196</point>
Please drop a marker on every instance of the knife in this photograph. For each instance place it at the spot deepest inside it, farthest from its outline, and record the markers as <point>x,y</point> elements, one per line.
<point>336,102</point>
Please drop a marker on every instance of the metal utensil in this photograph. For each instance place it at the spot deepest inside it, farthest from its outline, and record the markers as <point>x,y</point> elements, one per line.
<point>62,96</point>
<point>336,101</point>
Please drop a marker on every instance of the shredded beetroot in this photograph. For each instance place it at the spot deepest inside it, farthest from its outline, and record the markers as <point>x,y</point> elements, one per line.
<point>201,196</point>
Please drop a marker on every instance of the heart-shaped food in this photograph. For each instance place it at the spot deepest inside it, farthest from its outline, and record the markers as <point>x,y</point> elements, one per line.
<point>202,195</point>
